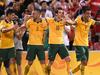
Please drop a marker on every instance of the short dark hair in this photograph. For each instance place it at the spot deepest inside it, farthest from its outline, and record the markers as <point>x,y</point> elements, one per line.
<point>85,8</point>
<point>9,11</point>
<point>38,10</point>
<point>43,2</point>
<point>56,11</point>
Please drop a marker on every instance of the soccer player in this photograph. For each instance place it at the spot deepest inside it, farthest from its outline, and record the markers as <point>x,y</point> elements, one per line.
<point>6,63</point>
<point>83,24</point>
<point>56,43</point>
<point>36,29</point>
<point>7,51</point>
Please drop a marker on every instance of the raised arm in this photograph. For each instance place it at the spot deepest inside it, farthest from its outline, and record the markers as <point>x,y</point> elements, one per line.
<point>53,3</point>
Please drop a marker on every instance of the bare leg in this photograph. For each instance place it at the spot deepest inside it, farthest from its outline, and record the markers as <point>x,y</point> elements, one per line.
<point>48,68</point>
<point>0,67</point>
<point>12,66</point>
<point>19,69</point>
<point>6,64</point>
<point>68,59</point>
<point>27,67</point>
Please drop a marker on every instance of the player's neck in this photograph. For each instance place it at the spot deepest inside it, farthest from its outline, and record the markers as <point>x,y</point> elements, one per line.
<point>58,19</point>
<point>37,20</point>
<point>7,20</point>
<point>84,19</point>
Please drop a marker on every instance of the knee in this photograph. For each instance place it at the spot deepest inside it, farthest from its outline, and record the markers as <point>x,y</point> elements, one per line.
<point>50,63</point>
<point>12,61</point>
<point>67,59</point>
<point>84,63</point>
<point>30,63</point>
<point>42,61</point>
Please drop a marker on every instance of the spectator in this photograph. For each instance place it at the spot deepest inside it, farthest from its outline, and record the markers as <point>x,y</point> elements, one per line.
<point>71,32</point>
<point>65,36</point>
<point>81,4</point>
<point>97,43</point>
<point>95,7</point>
<point>30,8</point>
<point>48,12</point>
<point>16,8</point>
<point>65,5</point>
<point>2,7</point>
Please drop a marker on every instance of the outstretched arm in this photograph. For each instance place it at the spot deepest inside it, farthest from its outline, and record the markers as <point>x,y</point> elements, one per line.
<point>4,29</point>
<point>70,22</point>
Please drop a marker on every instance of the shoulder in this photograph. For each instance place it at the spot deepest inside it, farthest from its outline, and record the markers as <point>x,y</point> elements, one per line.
<point>79,17</point>
<point>92,20</point>
<point>49,19</point>
<point>29,21</point>
<point>2,21</point>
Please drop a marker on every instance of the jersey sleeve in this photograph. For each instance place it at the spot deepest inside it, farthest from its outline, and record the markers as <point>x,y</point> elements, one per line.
<point>93,22</point>
<point>77,19</point>
<point>28,23</point>
<point>2,25</point>
<point>44,23</point>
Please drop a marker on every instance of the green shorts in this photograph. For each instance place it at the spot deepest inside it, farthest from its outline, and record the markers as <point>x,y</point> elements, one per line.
<point>6,54</point>
<point>46,45</point>
<point>18,57</point>
<point>34,50</point>
<point>82,53</point>
<point>57,48</point>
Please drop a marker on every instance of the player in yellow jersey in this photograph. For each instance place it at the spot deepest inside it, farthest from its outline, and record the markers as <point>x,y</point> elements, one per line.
<point>56,42</point>
<point>6,63</point>
<point>36,29</point>
<point>7,51</point>
<point>83,24</point>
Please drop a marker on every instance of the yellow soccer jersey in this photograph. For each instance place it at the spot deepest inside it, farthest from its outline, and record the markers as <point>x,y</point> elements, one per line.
<point>81,32</point>
<point>6,39</point>
<point>55,31</point>
<point>36,32</point>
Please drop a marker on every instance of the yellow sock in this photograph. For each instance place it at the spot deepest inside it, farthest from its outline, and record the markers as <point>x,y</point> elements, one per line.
<point>43,67</point>
<point>0,70</point>
<point>48,69</point>
<point>13,69</point>
<point>26,69</point>
<point>76,69</point>
<point>69,68</point>
<point>82,68</point>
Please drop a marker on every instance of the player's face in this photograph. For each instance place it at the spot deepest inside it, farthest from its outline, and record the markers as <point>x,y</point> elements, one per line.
<point>87,14</point>
<point>60,13</point>
<point>11,16</point>
<point>36,14</point>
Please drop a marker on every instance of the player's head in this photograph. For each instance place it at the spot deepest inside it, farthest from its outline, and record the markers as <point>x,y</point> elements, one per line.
<point>10,13</point>
<point>37,13</point>
<point>86,11</point>
<point>59,12</point>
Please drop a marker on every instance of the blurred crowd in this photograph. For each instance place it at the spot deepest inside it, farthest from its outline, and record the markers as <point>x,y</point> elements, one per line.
<point>72,8</point>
